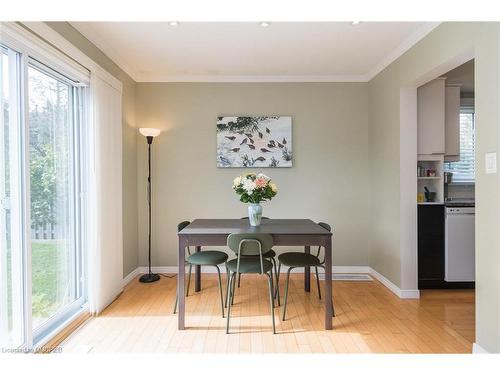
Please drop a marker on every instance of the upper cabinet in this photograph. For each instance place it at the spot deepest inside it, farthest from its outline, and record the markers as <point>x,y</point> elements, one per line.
<point>431,117</point>
<point>452,123</point>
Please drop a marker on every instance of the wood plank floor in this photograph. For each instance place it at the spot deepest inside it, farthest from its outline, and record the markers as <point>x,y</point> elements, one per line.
<point>369,319</point>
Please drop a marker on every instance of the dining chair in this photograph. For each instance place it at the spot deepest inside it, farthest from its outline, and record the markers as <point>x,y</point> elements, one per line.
<point>249,249</point>
<point>271,255</point>
<point>298,260</point>
<point>202,258</point>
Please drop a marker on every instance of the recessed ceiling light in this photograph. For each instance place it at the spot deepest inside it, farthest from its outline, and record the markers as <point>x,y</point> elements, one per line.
<point>264,24</point>
<point>173,23</point>
<point>354,23</point>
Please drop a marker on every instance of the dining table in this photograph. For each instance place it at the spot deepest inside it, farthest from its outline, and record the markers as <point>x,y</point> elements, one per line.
<point>285,232</point>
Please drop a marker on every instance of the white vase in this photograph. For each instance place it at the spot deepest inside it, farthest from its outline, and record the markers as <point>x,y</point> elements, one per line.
<point>254,214</point>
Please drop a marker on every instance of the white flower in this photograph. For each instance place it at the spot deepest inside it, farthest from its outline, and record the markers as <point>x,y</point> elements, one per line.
<point>248,185</point>
<point>237,181</point>
<point>274,188</point>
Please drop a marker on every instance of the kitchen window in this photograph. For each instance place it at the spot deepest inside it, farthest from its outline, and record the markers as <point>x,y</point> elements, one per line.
<point>464,169</point>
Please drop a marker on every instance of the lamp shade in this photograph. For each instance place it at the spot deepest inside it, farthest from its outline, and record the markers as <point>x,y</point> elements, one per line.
<point>150,132</point>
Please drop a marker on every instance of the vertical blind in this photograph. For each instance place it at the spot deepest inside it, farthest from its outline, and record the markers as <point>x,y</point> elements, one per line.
<point>463,170</point>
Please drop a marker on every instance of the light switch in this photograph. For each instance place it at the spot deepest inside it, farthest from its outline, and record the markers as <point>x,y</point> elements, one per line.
<point>491,162</point>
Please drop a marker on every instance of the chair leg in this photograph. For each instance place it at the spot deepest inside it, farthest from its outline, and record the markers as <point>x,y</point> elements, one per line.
<point>271,299</point>
<point>239,279</point>
<point>276,292</point>
<point>231,286</point>
<point>286,291</point>
<point>228,290</point>
<point>233,290</point>
<point>220,291</point>
<point>189,279</point>
<point>278,282</point>
<point>228,275</point>
<point>317,283</point>
<point>176,302</point>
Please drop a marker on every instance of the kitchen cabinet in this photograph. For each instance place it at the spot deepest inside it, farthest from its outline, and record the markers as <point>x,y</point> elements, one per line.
<point>452,123</point>
<point>431,238</point>
<point>431,117</point>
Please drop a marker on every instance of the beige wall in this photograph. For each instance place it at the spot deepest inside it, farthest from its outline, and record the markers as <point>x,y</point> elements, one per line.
<point>129,140</point>
<point>328,182</point>
<point>430,57</point>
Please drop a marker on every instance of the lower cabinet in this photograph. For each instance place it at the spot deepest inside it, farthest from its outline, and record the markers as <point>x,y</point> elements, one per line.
<point>430,245</point>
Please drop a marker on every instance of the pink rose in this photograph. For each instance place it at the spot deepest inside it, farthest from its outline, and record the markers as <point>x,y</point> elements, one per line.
<point>260,182</point>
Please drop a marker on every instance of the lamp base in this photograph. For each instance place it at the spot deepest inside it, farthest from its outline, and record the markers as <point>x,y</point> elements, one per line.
<point>149,278</point>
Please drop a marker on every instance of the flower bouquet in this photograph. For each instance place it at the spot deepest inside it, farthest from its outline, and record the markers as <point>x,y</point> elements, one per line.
<point>254,189</point>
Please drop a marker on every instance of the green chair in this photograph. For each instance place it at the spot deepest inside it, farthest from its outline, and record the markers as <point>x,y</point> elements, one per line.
<point>202,258</point>
<point>271,255</point>
<point>297,260</point>
<point>249,249</point>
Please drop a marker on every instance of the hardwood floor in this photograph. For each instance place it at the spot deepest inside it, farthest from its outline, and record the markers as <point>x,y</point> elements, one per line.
<point>370,319</point>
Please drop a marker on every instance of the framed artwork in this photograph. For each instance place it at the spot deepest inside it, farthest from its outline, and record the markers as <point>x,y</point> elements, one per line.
<point>254,142</point>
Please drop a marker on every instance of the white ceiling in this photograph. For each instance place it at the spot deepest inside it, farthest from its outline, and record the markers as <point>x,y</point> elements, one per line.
<point>245,51</point>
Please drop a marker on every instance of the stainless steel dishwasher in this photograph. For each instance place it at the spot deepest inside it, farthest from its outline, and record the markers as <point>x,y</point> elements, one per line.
<point>460,244</point>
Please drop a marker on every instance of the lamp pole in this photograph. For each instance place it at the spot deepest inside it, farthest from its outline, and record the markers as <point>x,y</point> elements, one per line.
<point>150,276</point>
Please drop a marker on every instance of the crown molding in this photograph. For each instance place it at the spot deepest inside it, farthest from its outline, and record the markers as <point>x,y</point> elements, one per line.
<point>409,42</point>
<point>138,76</point>
<point>93,37</point>
<point>249,78</point>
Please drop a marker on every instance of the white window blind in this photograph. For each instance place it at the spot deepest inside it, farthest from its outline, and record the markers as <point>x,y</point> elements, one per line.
<point>463,170</point>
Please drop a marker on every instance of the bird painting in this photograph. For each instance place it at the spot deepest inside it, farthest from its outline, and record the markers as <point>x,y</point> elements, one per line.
<point>254,142</point>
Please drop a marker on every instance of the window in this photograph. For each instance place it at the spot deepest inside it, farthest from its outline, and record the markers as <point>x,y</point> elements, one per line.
<point>464,170</point>
<point>42,273</point>
<point>54,180</point>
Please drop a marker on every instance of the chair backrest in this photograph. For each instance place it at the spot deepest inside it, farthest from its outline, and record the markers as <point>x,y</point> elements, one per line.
<point>326,226</point>
<point>247,244</point>
<point>182,225</point>
<point>250,243</point>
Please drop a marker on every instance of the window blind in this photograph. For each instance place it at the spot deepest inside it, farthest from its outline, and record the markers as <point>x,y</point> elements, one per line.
<point>464,170</point>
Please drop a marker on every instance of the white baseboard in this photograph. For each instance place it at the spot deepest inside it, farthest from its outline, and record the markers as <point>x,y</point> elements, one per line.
<point>477,349</point>
<point>401,293</point>
<point>132,275</point>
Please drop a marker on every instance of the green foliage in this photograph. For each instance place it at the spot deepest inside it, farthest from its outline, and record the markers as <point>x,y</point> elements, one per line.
<point>43,185</point>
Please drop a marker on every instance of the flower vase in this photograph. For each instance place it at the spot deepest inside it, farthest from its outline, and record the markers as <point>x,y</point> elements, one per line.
<point>254,214</point>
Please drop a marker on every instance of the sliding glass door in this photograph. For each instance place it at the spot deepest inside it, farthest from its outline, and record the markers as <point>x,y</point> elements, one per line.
<point>54,191</point>
<point>12,275</point>
<point>42,278</point>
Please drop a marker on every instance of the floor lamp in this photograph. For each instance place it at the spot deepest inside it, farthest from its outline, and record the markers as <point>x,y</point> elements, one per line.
<point>149,133</point>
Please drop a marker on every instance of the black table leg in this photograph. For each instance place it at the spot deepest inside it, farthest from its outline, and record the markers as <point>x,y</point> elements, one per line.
<point>328,284</point>
<point>307,272</point>
<point>180,285</point>
<point>197,274</point>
